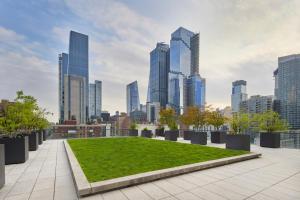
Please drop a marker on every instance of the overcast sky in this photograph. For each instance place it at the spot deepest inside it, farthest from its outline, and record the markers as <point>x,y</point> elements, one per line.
<point>239,39</point>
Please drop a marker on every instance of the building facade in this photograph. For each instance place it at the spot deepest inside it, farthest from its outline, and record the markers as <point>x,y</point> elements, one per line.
<point>95,100</point>
<point>62,71</point>
<point>257,104</point>
<point>158,79</point>
<point>132,96</point>
<point>153,110</point>
<point>287,89</point>
<point>239,94</point>
<point>74,95</point>
<point>184,70</point>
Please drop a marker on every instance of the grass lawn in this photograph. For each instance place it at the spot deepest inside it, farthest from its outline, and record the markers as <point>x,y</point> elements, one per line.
<point>107,158</point>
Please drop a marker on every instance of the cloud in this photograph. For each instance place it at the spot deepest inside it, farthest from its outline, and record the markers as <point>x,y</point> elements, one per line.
<point>22,69</point>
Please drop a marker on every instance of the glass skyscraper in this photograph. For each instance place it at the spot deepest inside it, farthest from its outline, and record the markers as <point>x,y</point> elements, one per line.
<point>238,94</point>
<point>158,79</point>
<point>287,89</point>
<point>62,71</point>
<point>132,96</point>
<point>95,101</point>
<point>184,71</point>
<point>79,60</point>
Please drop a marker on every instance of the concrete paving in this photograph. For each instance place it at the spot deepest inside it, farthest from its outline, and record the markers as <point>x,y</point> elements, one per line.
<point>276,175</point>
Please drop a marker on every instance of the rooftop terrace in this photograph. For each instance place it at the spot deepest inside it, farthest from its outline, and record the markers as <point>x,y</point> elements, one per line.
<point>276,175</point>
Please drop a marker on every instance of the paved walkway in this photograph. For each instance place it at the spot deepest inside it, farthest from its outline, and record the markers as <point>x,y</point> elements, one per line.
<point>46,175</point>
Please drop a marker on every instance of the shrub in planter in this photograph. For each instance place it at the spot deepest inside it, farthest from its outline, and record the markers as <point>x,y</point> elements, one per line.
<point>199,138</point>
<point>236,140</point>
<point>2,165</point>
<point>45,134</point>
<point>33,141</point>
<point>133,131</point>
<point>40,134</point>
<point>160,132</point>
<point>269,125</point>
<point>216,119</point>
<point>146,133</point>
<point>187,134</point>
<point>168,117</point>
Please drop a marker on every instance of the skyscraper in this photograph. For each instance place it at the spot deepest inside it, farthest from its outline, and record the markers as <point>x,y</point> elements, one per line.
<point>158,79</point>
<point>238,94</point>
<point>257,104</point>
<point>74,95</point>
<point>287,89</point>
<point>95,100</point>
<point>62,71</point>
<point>79,61</point>
<point>184,69</point>
<point>132,96</point>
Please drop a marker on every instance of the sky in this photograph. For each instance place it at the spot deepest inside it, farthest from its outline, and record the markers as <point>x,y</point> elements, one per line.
<point>239,39</point>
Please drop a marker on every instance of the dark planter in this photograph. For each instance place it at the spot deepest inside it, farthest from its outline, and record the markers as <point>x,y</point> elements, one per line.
<point>171,135</point>
<point>44,135</point>
<point>40,133</point>
<point>199,138</point>
<point>238,142</point>
<point>159,132</point>
<point>133,132</point>
<point>2,165</point>
<point>187,135</point>
<point>33,141</point>
<point>218,137</point>
<point>16,149</point>
<point>271,140</point>
<point>146,133</point>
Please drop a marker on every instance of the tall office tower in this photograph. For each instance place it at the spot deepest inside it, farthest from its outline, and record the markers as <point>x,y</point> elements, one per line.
<point>95,100</point>
<point>287,89</point>
<point>195,91</point>
<point>62,71</point>
<point>74,95</point>
<point>184,63</point>
<point>153,109</point>
<point>132,96</point>
<point>158,79</point>
<point>79,62</point>
<point>257,104</point>
<point>238,95</point>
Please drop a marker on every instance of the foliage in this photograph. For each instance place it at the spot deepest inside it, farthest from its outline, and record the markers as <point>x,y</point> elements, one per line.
<point>239,123</point>
<point>100,160</point>
<point>22,116</point>
<point>133,126</point>
<point>216,119</point>
<point>169,118</point>
<point>145,129</point>
<point>195,116</point>
<point>270,122</point>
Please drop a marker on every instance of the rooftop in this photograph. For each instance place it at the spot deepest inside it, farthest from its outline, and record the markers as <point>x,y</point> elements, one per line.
<point>276,175</point>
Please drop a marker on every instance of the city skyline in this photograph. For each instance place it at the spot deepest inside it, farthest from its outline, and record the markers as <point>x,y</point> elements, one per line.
<point>254,35</point>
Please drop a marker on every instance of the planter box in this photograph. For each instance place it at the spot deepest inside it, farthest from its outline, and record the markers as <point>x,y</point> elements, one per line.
<point>159,132</point>
<point>33,141</point>
<point>2,165</point>
<point>199,138</point>
<point>218,137</point>
<point>147,133</point>
<point>187,135</point>
<point>44,135</point>
<point>238,142</point>
<point>133,132</point>
<point>271,140</point>
<point>40,133</point>
<point>16,149</point>
<point>171,135</point>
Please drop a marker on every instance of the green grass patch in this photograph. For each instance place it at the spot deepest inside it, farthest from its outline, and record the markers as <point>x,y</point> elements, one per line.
<point>107,158</point>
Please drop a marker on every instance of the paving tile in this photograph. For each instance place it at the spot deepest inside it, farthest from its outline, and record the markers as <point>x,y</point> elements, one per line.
<point>207,195</point>
<point>134,193</point>
<point>224,192</point>
<point>46,194</point>
<point>181,183</point>
<point>22,188</point>
<point>115,195</point>
<point>187,196</point>
<point>168,187</point>
<point>44,183</point>
<point>19,197</point>
<point>153,191</point>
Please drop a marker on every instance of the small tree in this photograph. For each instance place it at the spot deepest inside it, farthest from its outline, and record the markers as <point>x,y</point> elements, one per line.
<point>195,116</point>
<point>216,119</point>
<point>133,126</point>
<point>239,123</point>
<point>169,118</point>
<point>270,122</point>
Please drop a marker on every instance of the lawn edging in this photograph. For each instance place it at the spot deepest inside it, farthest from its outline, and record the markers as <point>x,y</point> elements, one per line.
<point>82,185</point>
<point>84,188</point>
